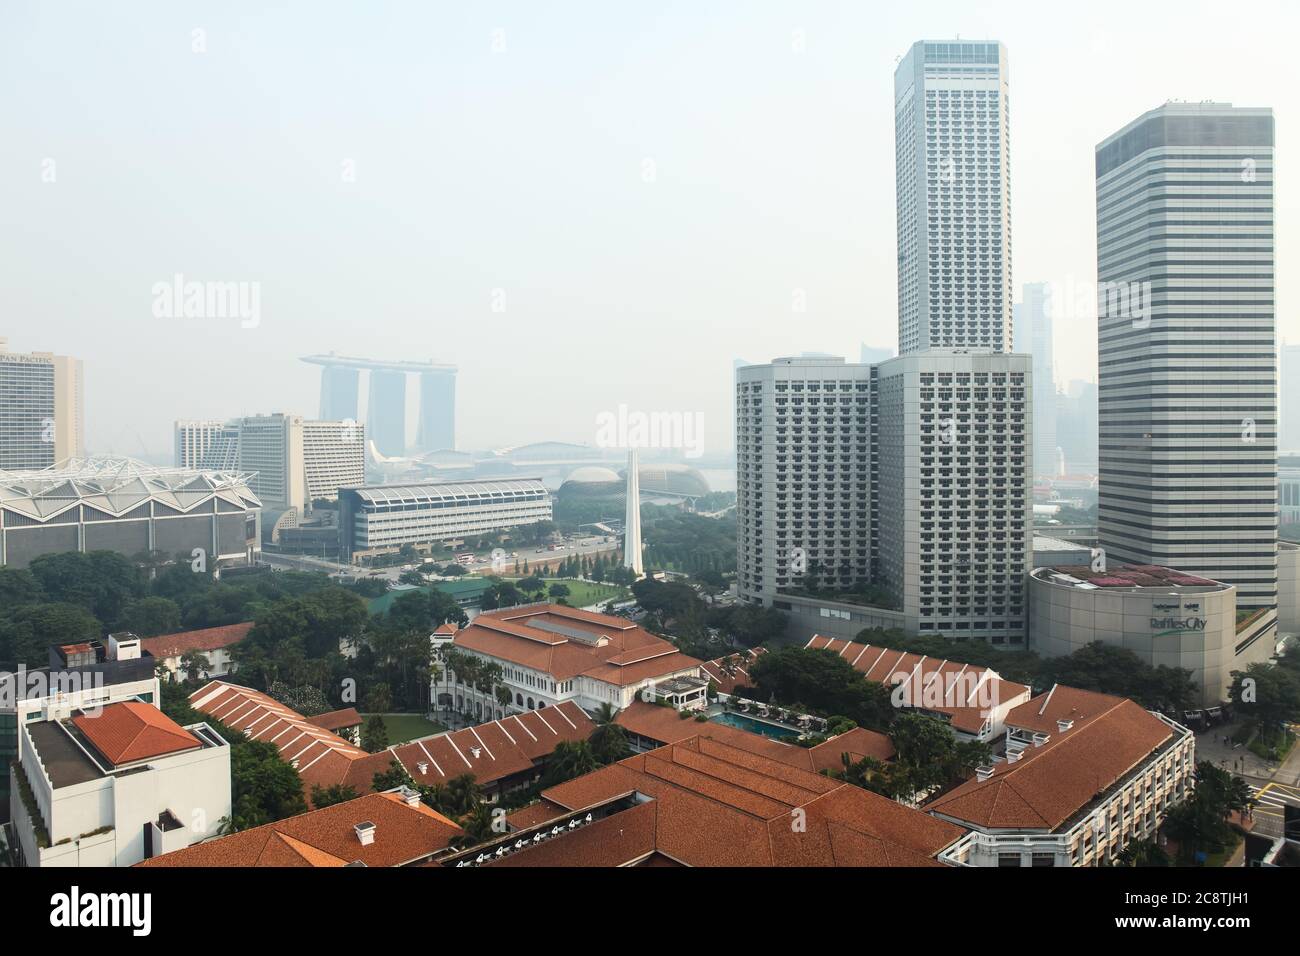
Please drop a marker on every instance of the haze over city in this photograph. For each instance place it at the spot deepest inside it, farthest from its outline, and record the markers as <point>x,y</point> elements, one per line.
<point>605,206</point>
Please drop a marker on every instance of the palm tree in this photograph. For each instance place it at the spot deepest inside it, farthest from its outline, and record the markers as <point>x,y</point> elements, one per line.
<point>605,714</point>
<point>609,743</point>
<point>571,758</point>
<point>463,794</point>
<point>477,826</point>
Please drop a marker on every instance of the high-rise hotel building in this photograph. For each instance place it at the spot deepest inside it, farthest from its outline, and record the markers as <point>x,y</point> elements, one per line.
<point>906,486</point>
<point>803,475</point>
<point>954,197</point>
<point>954,491</point>
<point>292,461</point>
<point>913,475</point>
<point>1186,351</point>
<point>42,410</point>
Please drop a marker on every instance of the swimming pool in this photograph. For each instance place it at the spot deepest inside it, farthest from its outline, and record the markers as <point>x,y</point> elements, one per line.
<point>742,722</point>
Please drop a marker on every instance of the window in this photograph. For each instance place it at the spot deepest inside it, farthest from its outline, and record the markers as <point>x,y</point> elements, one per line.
<point>1008,859</point>
<point>1043,859</point>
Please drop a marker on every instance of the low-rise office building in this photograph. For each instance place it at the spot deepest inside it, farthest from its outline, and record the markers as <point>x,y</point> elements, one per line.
<point>380,519</point>
<point>115,785</point>
<point>1164,616</point>
<point>1084,774</point>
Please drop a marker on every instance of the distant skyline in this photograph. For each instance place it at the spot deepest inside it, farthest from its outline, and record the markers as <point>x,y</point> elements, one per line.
<point>580,209</point>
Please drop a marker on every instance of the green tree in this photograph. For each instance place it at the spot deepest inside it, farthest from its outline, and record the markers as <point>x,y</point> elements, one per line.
<point>395,776</point>
<point>374,735</point>
<point>264,788</point>
<point>1266,696</point>
<point>194,664</point>
<point>571,758</point>
<point>27,632</point>
<point>102,582</point>
<point>150,616</point>
<point>322,797</point>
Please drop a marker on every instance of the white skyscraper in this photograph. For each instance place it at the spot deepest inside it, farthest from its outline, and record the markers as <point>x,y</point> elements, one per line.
<point>42,409</point>
<point>632,525</point>
<point>954,197</point>
<point>803,475</point>
<point>1186,351</point>
<point>954,512</point>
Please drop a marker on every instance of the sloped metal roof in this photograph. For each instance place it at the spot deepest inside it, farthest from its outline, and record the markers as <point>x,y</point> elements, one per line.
<point>116,486</point>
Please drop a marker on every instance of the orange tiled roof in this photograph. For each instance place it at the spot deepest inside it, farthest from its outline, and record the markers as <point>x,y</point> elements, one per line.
<point>337,719</point>
<point>958,691</point>
<point>615,650</point>
<point>491,751</point>
<point>663,724</point>
<point>130,731</point>
<point>326,838</point>
<point>737,663</point>
<point>1052,782</point>
<point>205,639</point>
<point>713,804</point>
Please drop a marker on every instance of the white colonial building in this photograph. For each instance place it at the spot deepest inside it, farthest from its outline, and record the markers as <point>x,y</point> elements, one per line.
<point>1083,775</point>
<point>551,653</point>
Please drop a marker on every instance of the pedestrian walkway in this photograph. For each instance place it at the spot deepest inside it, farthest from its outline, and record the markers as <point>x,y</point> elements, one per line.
<point>1216,745</point>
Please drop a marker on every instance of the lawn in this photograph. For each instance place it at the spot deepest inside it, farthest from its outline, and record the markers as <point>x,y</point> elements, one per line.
<point>586,593</point>
<point>404,727</point>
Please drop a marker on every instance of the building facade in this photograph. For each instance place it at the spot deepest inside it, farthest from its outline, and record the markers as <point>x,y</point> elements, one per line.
<point>194,440</point>
<point>1166,617</point>
<point>551,655</point>
<point>115,785</point>
<point>955,492</point>
<point>116,504</point>
<point>1186,350</point>
<point>378,519</point>
<point>952,139</point>
<point>78,676</point>
<point>803,475</point>
<point>912,478</point>
<point>1083,775</point>
<point>296,461</point>
<point>42,409</point>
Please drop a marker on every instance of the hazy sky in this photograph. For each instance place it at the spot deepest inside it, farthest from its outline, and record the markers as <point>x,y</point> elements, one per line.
<point>642,186</point>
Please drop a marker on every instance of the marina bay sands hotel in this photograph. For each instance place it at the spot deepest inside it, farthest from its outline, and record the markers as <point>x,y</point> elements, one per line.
<point>386,409</point>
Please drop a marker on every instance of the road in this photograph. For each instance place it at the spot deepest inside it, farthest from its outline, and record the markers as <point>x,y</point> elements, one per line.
<point>1272,797</point>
